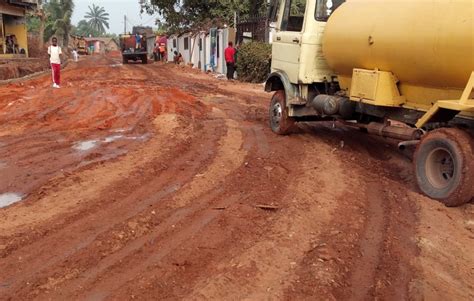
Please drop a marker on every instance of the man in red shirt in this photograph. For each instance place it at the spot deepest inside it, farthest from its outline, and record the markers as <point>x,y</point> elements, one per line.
<point>230,60</point>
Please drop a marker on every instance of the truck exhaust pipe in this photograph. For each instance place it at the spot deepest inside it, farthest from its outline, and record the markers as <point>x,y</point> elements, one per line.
<point>394,132</point>
<point>406,134</point>
<point>406,144</point>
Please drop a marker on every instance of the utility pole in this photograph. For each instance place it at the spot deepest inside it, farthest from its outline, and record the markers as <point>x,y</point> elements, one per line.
<point>125,24</point>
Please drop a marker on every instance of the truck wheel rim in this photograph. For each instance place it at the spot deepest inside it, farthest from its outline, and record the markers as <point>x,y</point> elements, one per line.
<point>440,168</point>
<point>276,114</point>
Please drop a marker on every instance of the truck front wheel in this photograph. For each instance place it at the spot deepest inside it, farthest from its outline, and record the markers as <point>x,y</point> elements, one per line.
<point>444,165</point>
<point>280,122</point>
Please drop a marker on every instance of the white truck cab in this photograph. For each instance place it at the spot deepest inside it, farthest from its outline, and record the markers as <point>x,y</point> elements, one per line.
<point>297,53</point>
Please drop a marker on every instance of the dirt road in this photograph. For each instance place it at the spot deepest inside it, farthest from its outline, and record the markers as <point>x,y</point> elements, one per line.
<point>158,182</point>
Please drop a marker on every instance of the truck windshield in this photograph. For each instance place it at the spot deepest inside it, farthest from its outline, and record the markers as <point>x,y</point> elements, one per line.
<point>325,8</point>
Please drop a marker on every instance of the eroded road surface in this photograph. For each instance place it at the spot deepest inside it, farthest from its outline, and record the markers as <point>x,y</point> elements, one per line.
<point>156,182</point>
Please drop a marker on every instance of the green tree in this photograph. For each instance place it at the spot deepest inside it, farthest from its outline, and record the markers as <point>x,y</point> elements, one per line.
<point>185,14</point>
<point>36,20</point>
<point>98,18</point>
<point>84,29</point>
<point>57,14</point>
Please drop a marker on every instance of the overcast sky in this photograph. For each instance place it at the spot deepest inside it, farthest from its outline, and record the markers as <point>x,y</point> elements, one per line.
<point>117,9</point>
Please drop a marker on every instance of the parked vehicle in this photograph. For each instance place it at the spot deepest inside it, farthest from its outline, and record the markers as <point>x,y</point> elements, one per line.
<point>134,52</point>
<point>369,63</point>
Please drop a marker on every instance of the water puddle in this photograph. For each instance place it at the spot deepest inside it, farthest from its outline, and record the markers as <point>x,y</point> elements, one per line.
<point>85,145</point>
<point>142,137</point>
<point>113,138</point>
<point>121,130</point>
<point>8,199</point>
<point>91,144</point>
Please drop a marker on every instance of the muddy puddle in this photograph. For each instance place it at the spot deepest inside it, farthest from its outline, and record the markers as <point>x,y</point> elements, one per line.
<point>86,145</point>
<point>111,139</point>
<point>8,199</point>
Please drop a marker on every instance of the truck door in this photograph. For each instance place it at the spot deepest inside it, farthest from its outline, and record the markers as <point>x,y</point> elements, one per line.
<point>286,47</point>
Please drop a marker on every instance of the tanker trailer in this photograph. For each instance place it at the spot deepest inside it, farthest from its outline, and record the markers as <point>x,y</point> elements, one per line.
<point>369,63</point>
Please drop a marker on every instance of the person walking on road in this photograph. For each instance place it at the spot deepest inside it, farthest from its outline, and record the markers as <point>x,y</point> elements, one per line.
<point>55,53</point>
<point>75,55</point>
<point>230,60</point>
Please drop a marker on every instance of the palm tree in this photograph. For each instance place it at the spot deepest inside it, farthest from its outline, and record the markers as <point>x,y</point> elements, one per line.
<point>98,18</point>
<point>63,23</point>
<point>58,15</point>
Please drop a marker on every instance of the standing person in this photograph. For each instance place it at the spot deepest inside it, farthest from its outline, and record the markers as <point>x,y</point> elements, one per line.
<point>230,60</point>
<point>75,55</point>
<point>162,50</point>
<point>138,41</point>
<point>55,53</point>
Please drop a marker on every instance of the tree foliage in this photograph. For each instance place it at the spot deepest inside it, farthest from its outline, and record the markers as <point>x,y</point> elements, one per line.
<point>53,19</point>
<point>84,29</point>
<point>185,14</point>
<point>98,19</point>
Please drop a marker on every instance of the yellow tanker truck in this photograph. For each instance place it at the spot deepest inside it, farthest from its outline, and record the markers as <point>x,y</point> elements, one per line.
<point>368,63</point>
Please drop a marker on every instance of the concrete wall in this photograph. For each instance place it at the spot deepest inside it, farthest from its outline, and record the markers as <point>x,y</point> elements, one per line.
<point>195,50</point>
<point>184,49</point>
<point>223,37</point>
<point>170,47</point>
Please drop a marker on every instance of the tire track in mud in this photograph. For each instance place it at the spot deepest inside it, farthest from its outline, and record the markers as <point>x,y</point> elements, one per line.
<point>363,276</point>
<point>271,260</point>
<point>231,146</point>
<point>217,227</point>
<point>204,184</point>
<point>95,214</point>
<point>89,187</point>
<point>368,247</point>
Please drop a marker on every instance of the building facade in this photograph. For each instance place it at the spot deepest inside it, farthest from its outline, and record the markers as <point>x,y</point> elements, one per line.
<point>13,31</point>
<point>204,49</point>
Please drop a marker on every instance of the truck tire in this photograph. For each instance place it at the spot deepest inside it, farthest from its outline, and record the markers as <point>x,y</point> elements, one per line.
<point>144,60</point>
<point>124,61</point>
<point>280,122</point>
<point>444,165</point>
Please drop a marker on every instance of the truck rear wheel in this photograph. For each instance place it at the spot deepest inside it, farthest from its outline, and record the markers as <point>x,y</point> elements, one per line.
<point>444,165</point>
<point>280,122</point>
<point>144,59</point>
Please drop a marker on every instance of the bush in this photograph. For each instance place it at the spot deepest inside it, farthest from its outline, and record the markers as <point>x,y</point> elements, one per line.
<point>253,62</point>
